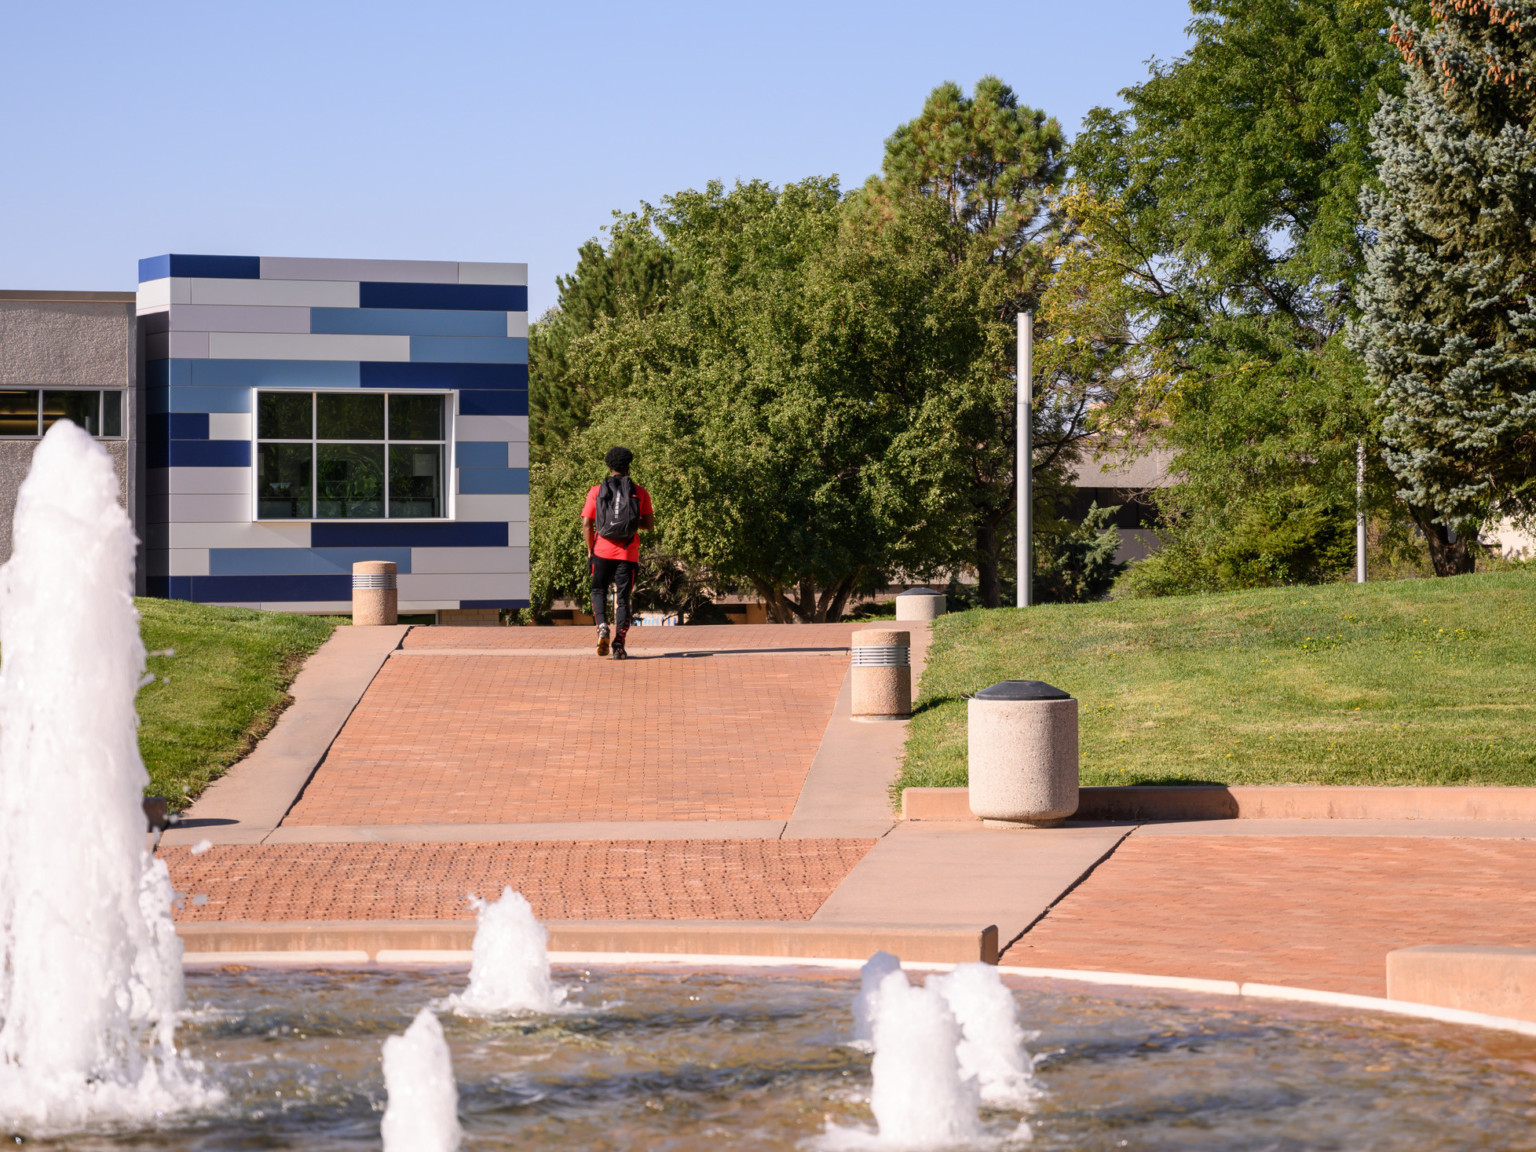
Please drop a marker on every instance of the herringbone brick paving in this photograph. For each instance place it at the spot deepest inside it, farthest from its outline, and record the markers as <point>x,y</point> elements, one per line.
<point>567,880</point>
<point>517,739</point>
<point>1312,911</point>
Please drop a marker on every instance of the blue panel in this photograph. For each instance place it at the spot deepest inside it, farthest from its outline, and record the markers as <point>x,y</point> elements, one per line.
<point>170,587</point>
<point>200,454</point>
<point>275,373</point>
<point>299,561</point>
<point>406,322</point>
<point>167,373</point>
<point>270,588</point>
<point>469,349</point>
<point>493,603</point>
<point>213,267</point>
<point>393,374</point>
<point>179,426</point>
<point>493,403</point>
<point>405,534</point>
<point>163,400</point>
<point>450,297</point>
<point>482,454</point>
<point>493,481</point>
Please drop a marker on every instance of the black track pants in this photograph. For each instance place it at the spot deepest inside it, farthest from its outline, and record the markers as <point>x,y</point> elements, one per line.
<point>619,573</point>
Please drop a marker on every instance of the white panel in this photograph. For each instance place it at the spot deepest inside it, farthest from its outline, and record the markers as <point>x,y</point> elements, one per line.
<point>303,607</point>
<point>229,425</point>
<point>425,561</point>
<point>199,480</point>
<point>481,428</point>
<point>517,324</point>
<point>178,562</point>
<point>489,508</point>
<point>153,295</point>
<point>397,271</point>
<point>517,454</point>
<point>471,272</point>
<point>267,535</point>
<point>427,605</point>
<point>188,345</point>
<point>480,586</point>
<point>517,533</point>
<point>229,508</point>
<point>285,346</point>
<point>280,293</point>
<point>237,318</point>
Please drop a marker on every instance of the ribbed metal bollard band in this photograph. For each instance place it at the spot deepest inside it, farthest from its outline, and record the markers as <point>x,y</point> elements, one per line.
<point>881,656</point>
<point>379,581</point>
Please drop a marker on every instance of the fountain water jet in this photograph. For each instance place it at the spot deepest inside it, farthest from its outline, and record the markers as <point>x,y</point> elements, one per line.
<point>423,1110</point>
<point>991,1045</point>
<point>90,966</point>
<point>509,969</point>
<point>875,969</point>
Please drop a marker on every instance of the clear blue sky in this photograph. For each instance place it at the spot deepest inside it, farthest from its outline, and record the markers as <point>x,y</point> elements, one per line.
<point>478,131</point>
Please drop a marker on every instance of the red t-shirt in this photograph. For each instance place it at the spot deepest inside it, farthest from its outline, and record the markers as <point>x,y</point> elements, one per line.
<point>608,549</point>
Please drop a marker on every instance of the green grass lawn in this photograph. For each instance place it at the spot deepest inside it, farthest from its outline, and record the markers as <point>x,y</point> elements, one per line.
<point>1408,682</point>
<point>220,692</point>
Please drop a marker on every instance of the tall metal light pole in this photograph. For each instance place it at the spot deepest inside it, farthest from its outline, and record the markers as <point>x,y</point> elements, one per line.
<point>1024,452</point>
<point>1360,512</point>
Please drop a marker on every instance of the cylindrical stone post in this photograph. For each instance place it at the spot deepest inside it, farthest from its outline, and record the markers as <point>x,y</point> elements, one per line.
<point>882,674</point>
<point>375,599</point>
<point>1022,754</point>
<point>920,604</point>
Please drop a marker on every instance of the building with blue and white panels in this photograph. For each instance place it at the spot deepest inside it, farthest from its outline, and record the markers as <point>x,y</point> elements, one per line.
<point>305,414</point>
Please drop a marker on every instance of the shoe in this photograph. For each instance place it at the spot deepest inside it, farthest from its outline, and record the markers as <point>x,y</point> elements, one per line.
<point>618,650</point>
<point>602,640</point>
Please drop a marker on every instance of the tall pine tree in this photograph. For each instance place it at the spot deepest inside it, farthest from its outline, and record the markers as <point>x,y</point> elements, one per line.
<point>1448,302</point>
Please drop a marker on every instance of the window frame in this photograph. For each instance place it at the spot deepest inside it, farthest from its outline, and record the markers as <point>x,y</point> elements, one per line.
<point>38,391</point>
<point>450,398</point>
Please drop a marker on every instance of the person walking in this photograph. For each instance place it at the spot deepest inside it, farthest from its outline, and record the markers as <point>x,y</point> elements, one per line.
<point>615,512</point>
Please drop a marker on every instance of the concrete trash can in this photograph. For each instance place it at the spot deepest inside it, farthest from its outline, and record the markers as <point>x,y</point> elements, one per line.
<point>375,598</point>
<point>882,674</point>
<point>920,604</point>
<point>1022,753</point>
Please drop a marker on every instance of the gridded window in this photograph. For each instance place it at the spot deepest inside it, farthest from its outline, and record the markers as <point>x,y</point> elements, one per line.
<point>350,455</point>
<point>32,411</point>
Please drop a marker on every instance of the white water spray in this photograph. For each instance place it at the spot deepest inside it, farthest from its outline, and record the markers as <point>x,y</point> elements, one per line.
<point>991,1045</point>
<point>875,969</point>
<point>920,1099</point>
<point>90,966</point>
<point>423,1110</point>
<point>509,971</point>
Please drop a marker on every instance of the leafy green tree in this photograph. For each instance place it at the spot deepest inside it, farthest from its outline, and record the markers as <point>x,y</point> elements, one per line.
<point>1220,205</point>
<point>1447,324</point>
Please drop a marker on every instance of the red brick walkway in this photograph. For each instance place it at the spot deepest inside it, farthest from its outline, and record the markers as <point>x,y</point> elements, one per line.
<point>517,739</point>
<point>719,638</point>
<point>1318,912</point>
<point>569,880</point>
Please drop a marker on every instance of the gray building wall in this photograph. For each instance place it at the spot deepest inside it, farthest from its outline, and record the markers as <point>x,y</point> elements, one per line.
<point>70,340</point>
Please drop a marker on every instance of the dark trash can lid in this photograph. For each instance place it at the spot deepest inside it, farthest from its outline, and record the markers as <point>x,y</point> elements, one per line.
<point>1022,690</point>
<point>919,592</point>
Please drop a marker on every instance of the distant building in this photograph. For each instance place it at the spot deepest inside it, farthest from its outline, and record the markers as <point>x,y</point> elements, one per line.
<point>1128,485</point>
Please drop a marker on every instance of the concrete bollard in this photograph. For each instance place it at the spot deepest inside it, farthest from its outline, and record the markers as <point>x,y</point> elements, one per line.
<point>920,604</point>
<point>882,674</point>
<point>375,599</point>
<point>1022,754</point>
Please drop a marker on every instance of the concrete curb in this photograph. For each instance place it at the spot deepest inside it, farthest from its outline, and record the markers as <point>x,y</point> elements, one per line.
<point>1143,804</point>
<point>360,941</point>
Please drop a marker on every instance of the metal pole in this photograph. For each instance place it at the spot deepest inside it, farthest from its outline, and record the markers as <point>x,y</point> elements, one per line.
<point>1022,464</point>
<point>1360,512</point>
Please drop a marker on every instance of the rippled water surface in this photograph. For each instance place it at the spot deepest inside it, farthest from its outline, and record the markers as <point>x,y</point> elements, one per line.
<point>669,1060</point>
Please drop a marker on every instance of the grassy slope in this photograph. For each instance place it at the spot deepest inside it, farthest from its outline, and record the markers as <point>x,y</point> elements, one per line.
<point>1410,682</point>
<point>220,692</point>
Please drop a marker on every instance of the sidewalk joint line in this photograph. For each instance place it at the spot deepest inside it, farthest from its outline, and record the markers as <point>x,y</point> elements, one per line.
<point>1070,888</point>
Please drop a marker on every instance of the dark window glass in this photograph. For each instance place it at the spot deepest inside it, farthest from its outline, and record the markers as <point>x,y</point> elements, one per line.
<point>18,413</point>
<point>415,480</point>
<point>111,413</point>
<point>415,417</point>
<point>285,415</point>
<point>350,480</point>
<point>81,408</point>
<point>283,481</point>
<point>351,417</point>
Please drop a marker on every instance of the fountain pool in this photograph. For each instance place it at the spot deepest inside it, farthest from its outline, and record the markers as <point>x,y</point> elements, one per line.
<point>662,1058</point>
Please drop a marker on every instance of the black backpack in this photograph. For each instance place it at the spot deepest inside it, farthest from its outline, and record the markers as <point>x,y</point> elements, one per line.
<point>618,512</point>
